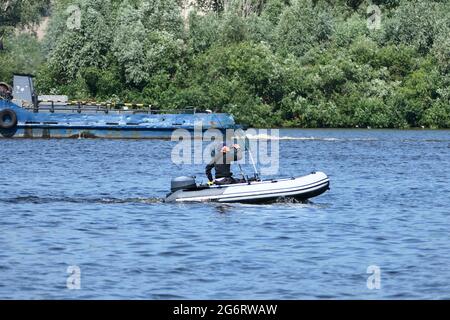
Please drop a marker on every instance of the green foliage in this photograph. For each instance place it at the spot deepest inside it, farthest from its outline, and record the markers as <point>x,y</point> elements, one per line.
<point>441,49</point>
<point>417,94</point>
<point>211,5</point>
<point>243,78</point>
<point>272,10</point>
<point>102,84</point>
<point>22,13</point>
<point>22,54</point>
<point>73,49</point>
<point>162,15</point>
<point>303,26</point>
<point>295,63</point>
<point>438,115</point>
<point>145,42</point>
<point>418,23</point>
<point>203,32</point>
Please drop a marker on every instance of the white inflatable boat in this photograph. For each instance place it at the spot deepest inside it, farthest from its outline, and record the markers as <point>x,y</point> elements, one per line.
<point>185,189</point>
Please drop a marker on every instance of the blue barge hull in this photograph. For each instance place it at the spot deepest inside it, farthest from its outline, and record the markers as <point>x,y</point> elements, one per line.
<point>111,125</point>
<point>24,115</point>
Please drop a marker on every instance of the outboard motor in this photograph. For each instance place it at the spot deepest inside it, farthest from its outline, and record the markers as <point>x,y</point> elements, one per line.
<point>183,183</point>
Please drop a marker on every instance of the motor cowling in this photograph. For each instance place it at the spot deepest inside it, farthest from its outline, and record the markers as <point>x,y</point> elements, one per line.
<point>183,183</point>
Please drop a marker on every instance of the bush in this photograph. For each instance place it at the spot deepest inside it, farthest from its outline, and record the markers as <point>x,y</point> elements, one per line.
<point>303,26</point>
<point>22,54</point>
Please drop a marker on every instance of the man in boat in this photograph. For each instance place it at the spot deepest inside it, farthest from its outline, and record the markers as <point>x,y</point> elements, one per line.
<point>221,162</point>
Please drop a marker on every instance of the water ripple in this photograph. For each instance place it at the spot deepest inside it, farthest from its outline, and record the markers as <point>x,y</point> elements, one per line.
<point>97,204</point>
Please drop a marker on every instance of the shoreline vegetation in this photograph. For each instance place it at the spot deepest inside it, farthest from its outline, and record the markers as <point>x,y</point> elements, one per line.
<point>270,63</point>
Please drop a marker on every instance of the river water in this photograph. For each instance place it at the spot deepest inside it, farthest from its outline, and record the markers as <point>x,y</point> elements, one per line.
<point>96,205</point>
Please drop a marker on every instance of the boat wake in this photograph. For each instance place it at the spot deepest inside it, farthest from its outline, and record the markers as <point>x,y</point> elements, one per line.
<point>263,136</point>
<point>303,203</point>
<point>137,200</point>
<point>104,200</point>
<point>272,137</point>
<point>286,203</point>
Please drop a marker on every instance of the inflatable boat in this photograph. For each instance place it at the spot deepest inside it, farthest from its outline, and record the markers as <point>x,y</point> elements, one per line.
<point>185,189</point>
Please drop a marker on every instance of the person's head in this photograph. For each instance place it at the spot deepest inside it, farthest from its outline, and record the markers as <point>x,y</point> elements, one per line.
<point>225,148</point>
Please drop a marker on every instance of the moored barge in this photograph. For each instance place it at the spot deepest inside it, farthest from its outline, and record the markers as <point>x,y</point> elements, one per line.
<point>23,114</point>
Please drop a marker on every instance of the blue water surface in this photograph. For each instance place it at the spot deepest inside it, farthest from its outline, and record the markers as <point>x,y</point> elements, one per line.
<point>96,204</point>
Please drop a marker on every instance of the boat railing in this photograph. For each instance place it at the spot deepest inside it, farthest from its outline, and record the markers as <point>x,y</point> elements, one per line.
<point>105,108</point>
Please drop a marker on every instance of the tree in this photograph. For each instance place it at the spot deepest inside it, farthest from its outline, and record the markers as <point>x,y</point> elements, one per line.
<point>147,40</point>
<point>129,41</point>
<point>418,23</point>
<point>441,49</point>
<point>20,14</point>
<point>203,31</point>
<point>211,5</point>
<point>24,55</point>
<point>303,26</point>
<point>72,48</point>
<point>301,63</point>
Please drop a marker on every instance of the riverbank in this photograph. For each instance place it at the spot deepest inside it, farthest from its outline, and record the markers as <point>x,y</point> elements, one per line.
<point>265,65</point>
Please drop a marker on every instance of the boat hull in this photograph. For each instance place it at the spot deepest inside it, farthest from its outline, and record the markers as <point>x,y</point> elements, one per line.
<point>114,125</point>
<point>74,132</point>
<point>301,188</point>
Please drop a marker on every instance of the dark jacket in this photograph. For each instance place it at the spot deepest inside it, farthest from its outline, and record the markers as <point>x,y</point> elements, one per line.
<point>221,163</point>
